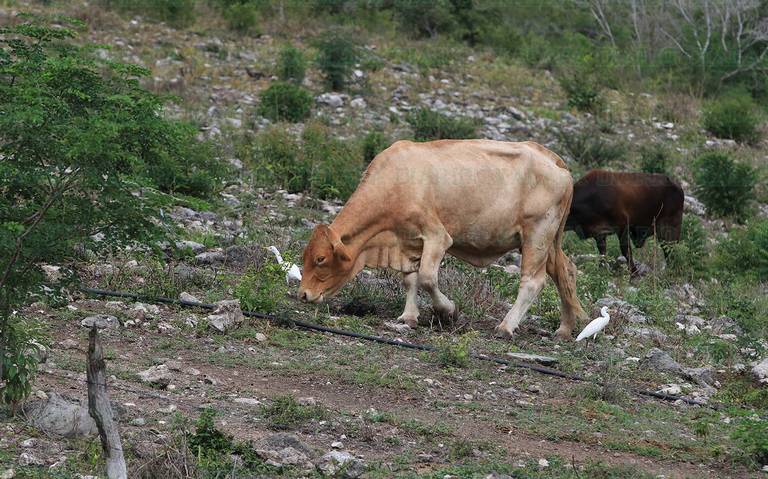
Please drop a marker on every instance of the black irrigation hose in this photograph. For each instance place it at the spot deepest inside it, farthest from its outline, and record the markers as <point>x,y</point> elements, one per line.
<point>379,339</point>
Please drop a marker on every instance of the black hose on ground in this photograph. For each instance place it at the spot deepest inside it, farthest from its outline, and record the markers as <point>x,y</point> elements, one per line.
<point>381,340</point>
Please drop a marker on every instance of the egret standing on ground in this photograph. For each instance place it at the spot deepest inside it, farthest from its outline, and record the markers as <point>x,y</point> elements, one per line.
<point>292,272</point>
<point>596,325</point>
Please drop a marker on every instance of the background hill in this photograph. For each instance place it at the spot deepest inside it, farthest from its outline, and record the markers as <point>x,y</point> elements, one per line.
<point>180,138</point>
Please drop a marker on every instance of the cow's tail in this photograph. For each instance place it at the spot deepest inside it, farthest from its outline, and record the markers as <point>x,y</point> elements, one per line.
<point>565,270</point>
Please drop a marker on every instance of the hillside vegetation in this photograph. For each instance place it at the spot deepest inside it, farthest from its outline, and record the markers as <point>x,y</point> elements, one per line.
<point>160,146</point>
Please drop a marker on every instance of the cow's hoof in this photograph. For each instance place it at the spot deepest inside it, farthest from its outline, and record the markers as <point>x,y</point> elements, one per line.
<point>563,334</point>
<point>503,333</point>
<point>409,319</point>
<point>448,315</point>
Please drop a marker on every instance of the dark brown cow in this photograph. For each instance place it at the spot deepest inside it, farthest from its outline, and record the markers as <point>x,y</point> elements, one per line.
<point>631,205</point>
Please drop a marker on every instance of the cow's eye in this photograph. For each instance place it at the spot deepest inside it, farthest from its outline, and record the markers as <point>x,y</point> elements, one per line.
<point>320,259</point>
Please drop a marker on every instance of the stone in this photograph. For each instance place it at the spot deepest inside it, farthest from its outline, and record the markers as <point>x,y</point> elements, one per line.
<point>621,308</point>
<point>671,389</point>
<point>156,376</point>
<point>694,206</point>
<point>658,359</point>
<point>701,376</point>
<point>8,474</point>
<point>58,416</point>
<point>341,464</point>
<point>760,371</point>
<point>247,401</point>
<point>186,297</point>
<point>192,245</point>
<point>307,401</point>
<point>31,442</point>
<point>101,321</point>
<point>331,99</point>
<point>170,409</point>
<point>27,459</point>
<point>226,315</point>
<point>543,463</point>
<point>283,449</point>
<point>210,257</point>
<point>139,421</point>
<point>536,358</point>
<point>399,328</point>
<point>260,337</point>
<point>69,344</point>
<point>358,103</point>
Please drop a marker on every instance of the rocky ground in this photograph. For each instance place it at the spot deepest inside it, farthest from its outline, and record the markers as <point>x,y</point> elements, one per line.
<point>318,405</point>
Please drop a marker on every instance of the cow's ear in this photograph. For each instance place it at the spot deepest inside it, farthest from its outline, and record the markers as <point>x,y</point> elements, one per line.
<point>339,250</point>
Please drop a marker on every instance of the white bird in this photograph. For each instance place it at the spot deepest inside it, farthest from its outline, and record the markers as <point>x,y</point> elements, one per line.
<point>596,325</point>
<point>292,272</point>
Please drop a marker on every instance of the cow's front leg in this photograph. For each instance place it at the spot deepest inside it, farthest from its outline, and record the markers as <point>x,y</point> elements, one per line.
<point>600,242</point>
<point>432,254</point>
<point>626,250</point>
<point>410,315</point>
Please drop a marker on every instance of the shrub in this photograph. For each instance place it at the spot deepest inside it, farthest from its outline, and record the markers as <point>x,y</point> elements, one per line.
<point>178,13</point>
<point>319,164</point>
<point>285,102</point>
<point>277,160</point>
<point>724,186</point>
<point>654,159</point>
<point>583,94</point>
<point>373,143</point>
<point>337,55</point>
<point>751,435</point>
<point>242,17</point>
<point>79,138</point>
<point>19,355</point>
<point>425,18</point>
<point>291,65</point>
<point>286,413</point>
<point>733,116</point>
<point>262,290</point>
<point>589,149</point>
<point>335,166</point>
<point>431,125</point>
<point>746,251</point>
<point>688,257</point>
<point>457,352</point>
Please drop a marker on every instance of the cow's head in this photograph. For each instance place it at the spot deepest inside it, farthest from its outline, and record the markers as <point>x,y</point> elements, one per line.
<point>327,265</point>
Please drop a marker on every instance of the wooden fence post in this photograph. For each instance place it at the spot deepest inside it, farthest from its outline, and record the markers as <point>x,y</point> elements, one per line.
<point>101,411</point>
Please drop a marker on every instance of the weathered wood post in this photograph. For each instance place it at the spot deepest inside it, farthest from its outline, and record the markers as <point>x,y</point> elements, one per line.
<point>101,411</point>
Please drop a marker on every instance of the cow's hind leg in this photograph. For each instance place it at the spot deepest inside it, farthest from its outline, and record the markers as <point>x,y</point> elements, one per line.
<point>432,254</point>
<point>532,279</point>
<point>410,315</point>
<point>563,273</point>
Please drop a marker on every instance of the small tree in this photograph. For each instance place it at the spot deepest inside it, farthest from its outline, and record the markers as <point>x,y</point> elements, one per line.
<point>80,144</point>
<point>337,54</point>
<point>725,187</point>
<point>291,65</point>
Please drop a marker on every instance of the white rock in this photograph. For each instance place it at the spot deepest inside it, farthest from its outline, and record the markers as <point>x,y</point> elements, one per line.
<point>28,443</point>
<point>226,315</point>
<point>358,103</point>
<point>760,371</point>
<point>27,459</point>
<point>247,401</point>
<point>184,296</point>
<point>156,376</point>
<point>8,474</point>
<point>101,321</point>
<point>671,389</point>
<point>543,463</point>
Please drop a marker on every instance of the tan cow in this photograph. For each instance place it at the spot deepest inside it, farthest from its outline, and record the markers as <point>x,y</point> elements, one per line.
<point>473,199</point>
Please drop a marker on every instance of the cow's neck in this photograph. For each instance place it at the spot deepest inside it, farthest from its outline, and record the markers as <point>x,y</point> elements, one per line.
<point>358,222</point>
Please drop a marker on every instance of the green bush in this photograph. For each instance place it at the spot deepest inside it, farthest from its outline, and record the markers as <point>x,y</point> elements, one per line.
<point>335,165</point>
<point>80,138</point>
<point>373,143</point>
<point>751,434</point>
<point>19,358</point>
<point>319,164</point>
<point>178,13</point>
<point>291,65</point>
<point>455,352</point>
<point>431,125</point>
<point>425,18</point>
<point>285,102</point>
<point>688,257</point>
<point>589,149</point>
<point>746,251</point>
<point>336,57</point>
<point>733,116</point>
<point>262,290</point>
<point>654,159</point>
<point>284,412</point>
<point>243,17</point>
<point>725,187</point>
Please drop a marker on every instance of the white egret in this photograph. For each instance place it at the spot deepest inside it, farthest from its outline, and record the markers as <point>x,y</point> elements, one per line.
<point>292,272</point>
<point>596,325</point>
